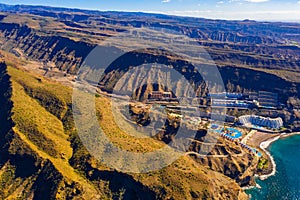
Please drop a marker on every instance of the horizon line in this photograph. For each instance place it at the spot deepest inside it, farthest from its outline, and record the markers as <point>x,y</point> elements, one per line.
<point>154,12</point>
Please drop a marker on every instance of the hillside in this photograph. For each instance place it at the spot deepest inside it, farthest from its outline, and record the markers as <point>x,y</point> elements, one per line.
<point>62,38</point>
<point>43,48</point>
<point>42,154</point>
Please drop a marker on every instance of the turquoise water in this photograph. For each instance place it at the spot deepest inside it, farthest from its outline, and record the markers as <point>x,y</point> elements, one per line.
<point>286,183</point>
<point>237,133</point>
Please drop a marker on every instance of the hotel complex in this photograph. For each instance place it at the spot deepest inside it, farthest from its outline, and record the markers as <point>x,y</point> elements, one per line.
<point>254,121</point>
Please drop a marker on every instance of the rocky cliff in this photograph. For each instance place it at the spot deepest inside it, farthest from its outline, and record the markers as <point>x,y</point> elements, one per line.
<point>67,54</point>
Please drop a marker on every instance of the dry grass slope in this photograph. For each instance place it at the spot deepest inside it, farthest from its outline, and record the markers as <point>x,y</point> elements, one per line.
<point>43,129</point>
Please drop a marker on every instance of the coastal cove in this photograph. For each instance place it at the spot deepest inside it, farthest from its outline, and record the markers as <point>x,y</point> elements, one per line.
<point>284,183</point>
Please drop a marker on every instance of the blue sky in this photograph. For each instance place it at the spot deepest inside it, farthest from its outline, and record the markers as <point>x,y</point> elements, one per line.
<point>272,10</point>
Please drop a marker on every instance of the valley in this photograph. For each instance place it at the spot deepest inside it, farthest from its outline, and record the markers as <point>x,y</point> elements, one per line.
<point>42,51</point>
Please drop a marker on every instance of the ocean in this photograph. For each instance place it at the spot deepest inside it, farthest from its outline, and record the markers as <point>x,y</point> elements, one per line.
<point>285,184</point>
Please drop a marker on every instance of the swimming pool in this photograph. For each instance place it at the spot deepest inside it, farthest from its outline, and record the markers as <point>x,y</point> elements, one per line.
<point>234,133</point>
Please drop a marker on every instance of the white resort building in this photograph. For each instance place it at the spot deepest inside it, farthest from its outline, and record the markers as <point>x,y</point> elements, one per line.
<point>250,120</point>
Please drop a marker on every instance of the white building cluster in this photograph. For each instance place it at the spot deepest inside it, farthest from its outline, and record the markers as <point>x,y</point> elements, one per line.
<point>274,123</point>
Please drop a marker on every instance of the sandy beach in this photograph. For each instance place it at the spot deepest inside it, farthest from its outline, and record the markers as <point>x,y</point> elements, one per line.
<point>263,141</point>
<point>264,146</point>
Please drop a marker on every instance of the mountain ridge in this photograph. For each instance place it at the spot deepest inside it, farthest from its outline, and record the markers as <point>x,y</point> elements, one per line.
<point>61,176</point>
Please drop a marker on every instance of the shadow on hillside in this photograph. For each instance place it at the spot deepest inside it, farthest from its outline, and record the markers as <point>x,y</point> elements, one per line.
<point>119,181</point>
<point>6,122</point>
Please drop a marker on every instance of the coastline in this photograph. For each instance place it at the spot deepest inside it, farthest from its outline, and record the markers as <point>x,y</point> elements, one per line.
<point>285,135</point>
<point>264,146</point>
<point>252,186</point>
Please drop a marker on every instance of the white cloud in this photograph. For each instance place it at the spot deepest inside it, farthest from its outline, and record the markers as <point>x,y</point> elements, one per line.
<point>220,2</point>
<point>188,12</point>
<point>251,1</point>
<point>298,2</point>
<point>261,15</point>
<point>166,1</point>
<point>257,1</point>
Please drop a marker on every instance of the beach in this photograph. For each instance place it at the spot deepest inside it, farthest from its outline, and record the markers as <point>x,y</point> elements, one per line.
<point>262,141</point>
<point>282,182</point>
<point>264,145</point>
